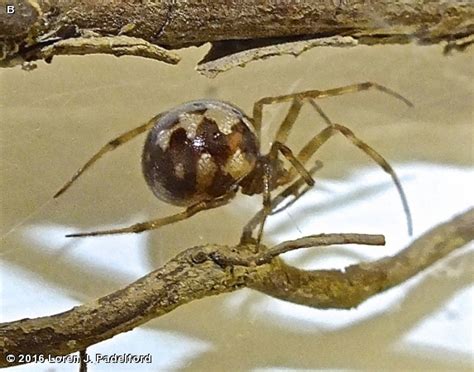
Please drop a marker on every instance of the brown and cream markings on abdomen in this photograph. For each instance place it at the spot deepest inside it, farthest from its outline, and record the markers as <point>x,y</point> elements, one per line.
<point>199,151</point>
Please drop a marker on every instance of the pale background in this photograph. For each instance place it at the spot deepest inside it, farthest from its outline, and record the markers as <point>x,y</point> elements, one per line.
<point>54,118</point>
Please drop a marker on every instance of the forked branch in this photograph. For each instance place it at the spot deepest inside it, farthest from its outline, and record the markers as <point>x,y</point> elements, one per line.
<point>213,269</point>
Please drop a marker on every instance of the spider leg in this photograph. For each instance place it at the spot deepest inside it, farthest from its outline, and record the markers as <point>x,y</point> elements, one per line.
<point>267,202</point>
<point>294,189</point>
<point>299,97</point>
<point>317,141</point>
<point>155,224</point>
<point>289,121</point>
<point>267,175</point>
<point>111,145</point>
<point>354,88</point>
<point>297,164</point>
<point>291,190</point>
<point>320,112</point>
<point>379,159</point>
<point>297,193</point>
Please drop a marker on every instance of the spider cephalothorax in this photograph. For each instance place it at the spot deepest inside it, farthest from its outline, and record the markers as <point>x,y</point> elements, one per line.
<point>200,153</point>
<point>253,183</point>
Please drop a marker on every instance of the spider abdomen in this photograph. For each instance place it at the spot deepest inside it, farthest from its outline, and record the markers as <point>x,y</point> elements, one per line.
<point>198,151</point>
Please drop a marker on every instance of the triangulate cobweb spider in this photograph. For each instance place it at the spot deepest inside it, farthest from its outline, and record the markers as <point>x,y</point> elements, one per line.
<point>199,154</point>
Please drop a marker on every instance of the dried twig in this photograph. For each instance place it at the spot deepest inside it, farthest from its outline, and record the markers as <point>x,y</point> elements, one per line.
<point>348,288</point>
<point>215,66</point>
<point>117,46</point>
<point>241,31</point>
<point>213,269</point>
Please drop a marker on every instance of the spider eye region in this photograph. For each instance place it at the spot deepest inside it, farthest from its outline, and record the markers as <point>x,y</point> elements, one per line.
<point>198,151</point>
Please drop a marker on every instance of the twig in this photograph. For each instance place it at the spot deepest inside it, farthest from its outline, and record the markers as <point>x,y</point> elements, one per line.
<point>348,288</point>
<point>117,46</point>
<point>318,241</point>
<point>196,273</point>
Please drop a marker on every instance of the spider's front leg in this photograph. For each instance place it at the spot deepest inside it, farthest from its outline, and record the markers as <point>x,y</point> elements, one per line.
<point>155,224</point>
<point>313,145</point>
<point>321,138</point>
<point>299,98</point>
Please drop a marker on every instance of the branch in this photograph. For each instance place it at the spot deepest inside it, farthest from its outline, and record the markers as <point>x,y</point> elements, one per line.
<point>213,269</point>
<point>261,29</point>
<point>353,285</point>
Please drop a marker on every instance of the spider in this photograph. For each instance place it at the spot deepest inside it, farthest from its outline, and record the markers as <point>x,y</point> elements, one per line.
<point>200,153</point>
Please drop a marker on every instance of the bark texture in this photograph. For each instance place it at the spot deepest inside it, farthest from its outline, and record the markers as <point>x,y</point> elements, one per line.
<point>232,26</point>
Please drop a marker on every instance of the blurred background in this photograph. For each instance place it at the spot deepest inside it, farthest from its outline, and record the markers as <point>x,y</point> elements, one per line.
<point>54,118</point>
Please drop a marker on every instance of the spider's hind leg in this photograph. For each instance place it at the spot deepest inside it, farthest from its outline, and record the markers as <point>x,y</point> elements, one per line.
<point>111,145</point>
